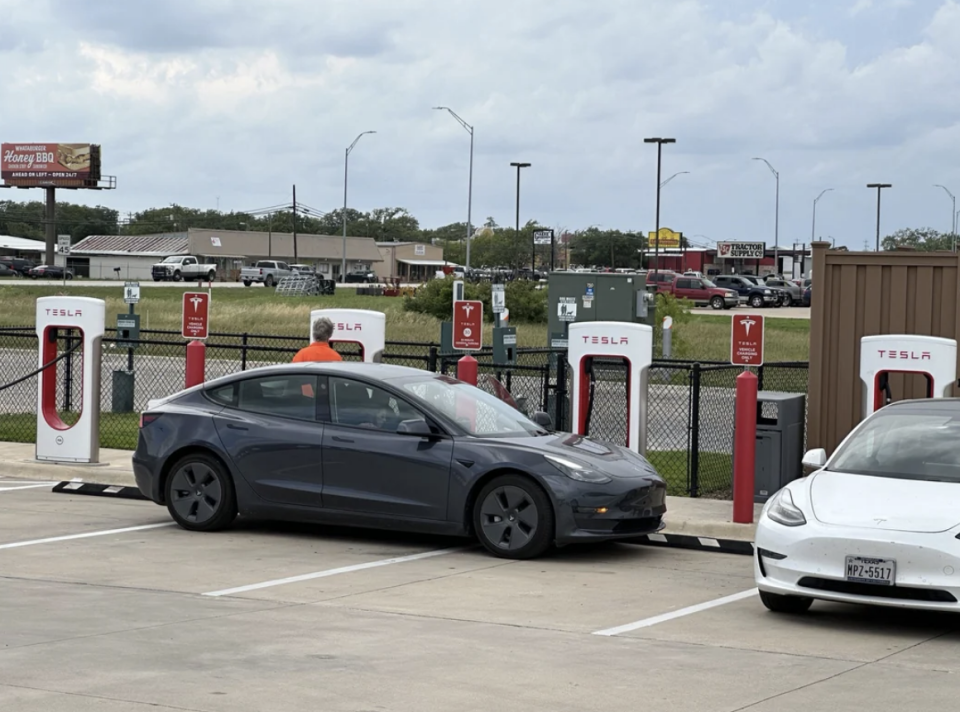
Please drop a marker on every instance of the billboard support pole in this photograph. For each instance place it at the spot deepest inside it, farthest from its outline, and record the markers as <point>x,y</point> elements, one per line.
<point>50,218</point>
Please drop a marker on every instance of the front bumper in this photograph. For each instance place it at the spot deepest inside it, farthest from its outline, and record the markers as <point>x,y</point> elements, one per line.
<point>813,565</point>
<point>624,509</point>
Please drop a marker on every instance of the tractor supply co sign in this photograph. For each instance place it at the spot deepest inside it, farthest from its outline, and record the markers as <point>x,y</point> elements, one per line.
<point>63,164</point>
<point>741,250</point>
<point>746,340</point>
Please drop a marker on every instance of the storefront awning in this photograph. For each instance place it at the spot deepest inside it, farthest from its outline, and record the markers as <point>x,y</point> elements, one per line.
<point>426,263</point>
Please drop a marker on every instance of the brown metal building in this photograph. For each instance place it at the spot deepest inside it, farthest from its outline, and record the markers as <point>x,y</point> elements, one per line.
<point>858,294</point>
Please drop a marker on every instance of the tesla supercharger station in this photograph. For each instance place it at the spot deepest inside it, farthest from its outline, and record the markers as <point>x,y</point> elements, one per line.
<point>363,327</point>
<point>57,441</point>
<point>630,342</point>
<point>931,356</point>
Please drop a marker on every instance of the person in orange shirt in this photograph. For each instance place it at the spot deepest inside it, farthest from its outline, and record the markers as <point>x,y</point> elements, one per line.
<point>320,349</point>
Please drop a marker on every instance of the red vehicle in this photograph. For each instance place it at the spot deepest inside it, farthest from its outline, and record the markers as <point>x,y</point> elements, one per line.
<point>700,291</point>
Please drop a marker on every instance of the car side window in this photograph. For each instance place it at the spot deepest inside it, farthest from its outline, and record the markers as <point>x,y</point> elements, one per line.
<point>224,395</point>
<point>696,284</point>
<point>287,395</point>
<point>358,405</point>
<point>684,283</point>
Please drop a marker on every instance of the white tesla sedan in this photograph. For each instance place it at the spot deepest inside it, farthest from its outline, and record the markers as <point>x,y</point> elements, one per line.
<point>877,523</point>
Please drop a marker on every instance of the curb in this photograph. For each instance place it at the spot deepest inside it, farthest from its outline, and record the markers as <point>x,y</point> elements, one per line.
<point>697,543</point>
<point>95,490</point>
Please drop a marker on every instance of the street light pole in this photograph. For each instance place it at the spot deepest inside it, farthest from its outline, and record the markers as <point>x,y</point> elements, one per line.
<point>953,215</point>
<point>533,259</point>
<point>776,224</point>
<point>469,130</point>
<point>879,187</point>
<point>813,229</point>
<point>656,234</point>
<point>346,161</point>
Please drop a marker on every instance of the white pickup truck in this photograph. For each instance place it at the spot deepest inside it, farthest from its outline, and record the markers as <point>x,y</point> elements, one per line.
<point>267,272</point>
<point>183,268</point>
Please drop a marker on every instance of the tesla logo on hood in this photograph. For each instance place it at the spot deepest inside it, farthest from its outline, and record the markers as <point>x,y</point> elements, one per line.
<point>606,340</point>
<point>349,327</point>
<point>905,355</point>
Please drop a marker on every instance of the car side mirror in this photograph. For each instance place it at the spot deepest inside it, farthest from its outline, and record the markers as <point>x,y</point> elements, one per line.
<point>543,420</point>
<point>417,427</point>
<point>814,460</point>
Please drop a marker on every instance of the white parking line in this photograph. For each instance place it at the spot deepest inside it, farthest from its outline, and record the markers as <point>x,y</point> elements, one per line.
<point>23,487</point>
<point>333,572</point>
<point>689,610</point>
<point>86,535</point>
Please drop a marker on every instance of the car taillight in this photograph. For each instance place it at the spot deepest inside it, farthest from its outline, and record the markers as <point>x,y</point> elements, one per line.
<point>147,418</point>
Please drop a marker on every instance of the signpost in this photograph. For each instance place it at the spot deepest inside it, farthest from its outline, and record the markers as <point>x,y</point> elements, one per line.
<point>741,250</point>
<point>468,325</point>
<point>544,237</point>
<point>63,247</point>
<point>195,324</point>
<point>746,340</point>
<point>498,302</point>
<point>131,293</point>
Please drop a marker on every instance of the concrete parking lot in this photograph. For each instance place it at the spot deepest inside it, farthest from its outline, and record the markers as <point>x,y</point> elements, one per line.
<point>104,605</point>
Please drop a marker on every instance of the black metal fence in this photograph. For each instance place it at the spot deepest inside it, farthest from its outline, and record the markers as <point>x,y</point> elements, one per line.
<point>690,405</point>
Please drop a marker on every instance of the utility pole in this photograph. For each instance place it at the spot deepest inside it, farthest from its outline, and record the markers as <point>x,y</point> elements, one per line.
<point>346,161</point>
<point>295,260</point>
<point>656,234</point>
<point>469,130</point>
<point>533,259</point>
<point>879,187</point>
<point>953,215</point>
<point>776,224</point>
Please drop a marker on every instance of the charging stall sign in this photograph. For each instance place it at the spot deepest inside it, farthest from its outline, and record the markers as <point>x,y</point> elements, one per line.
<point>746,340</point>
<point>498,298</point>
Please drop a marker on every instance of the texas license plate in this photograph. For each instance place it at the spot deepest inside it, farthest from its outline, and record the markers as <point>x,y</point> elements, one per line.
<point>862,569</point>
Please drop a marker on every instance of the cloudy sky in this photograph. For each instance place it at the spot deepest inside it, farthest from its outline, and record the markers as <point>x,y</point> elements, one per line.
<point>196,101</point>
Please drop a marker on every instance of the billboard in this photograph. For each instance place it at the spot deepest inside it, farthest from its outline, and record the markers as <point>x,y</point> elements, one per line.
<point>50,164</point>
<point>665,238</point>
<point>741,250</point>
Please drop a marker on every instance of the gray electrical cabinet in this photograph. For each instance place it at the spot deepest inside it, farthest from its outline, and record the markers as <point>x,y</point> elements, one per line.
<point>780,431</point>
<point>596,296</point>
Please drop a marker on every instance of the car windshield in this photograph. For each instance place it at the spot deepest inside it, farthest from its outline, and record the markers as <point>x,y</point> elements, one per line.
<point>476,411</point>
<point>708,283</point>
<point>904,445</point>
<point>170,260</point>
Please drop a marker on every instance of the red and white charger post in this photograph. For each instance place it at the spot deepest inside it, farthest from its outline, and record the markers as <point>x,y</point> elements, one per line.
<point>746,349</point>
<point>364,327</point>
<point>881,356</point>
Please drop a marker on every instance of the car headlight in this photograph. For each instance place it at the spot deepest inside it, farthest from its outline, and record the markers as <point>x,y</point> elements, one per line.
<point>767,291</point>
<point>782,510</point>
<point>577,471</point>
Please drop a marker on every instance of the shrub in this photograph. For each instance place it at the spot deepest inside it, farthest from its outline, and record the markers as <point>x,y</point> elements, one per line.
<point>679,310</point>
<point>527,304</point>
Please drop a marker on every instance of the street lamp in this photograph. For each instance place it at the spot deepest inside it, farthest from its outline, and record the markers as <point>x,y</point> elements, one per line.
<point>776,224</point>
<point>672,177</point>
<point>656,234</point>
<point>469,129</point>
<point>813,229</point>
<point>533,259</point>
<point>879,187</point>
<point>953,215</point>
<point>346,161</point>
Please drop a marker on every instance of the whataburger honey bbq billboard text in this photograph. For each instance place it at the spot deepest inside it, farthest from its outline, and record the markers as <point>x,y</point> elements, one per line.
<point>49,163</point>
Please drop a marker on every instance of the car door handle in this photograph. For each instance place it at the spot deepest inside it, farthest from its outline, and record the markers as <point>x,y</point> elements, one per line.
<point>341,439</point>
<point>237,427</point>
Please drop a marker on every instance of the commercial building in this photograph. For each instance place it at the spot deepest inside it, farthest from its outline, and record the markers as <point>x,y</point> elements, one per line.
<point>131,256</point>
<point>409,261</point>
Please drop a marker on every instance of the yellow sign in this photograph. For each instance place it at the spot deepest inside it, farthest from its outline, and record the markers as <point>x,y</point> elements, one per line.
<point>668,238</point>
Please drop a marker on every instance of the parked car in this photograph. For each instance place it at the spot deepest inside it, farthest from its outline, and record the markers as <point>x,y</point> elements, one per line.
<point>19,265</point>
<point>876,523</point>
<point>779,295</point>
<point>387,447</point>
<point>806,300</point>
<point>363,276</point>
<point>792,292</point>
<point>49,272</point>
<point>7,271</point>
<point>701,292</point>
<point>749,292</point>
<point>265,272</point>
<point>303,269</point>
<point>180,268</point>
<point>659,277</point>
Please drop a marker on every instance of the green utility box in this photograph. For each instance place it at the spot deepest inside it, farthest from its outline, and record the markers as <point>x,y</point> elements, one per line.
<point>505,345</point>
<point>596,296</point>
<point>128,330</point>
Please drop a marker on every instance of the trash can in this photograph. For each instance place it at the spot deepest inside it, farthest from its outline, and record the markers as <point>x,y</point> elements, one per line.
<point>123,384</point>
<point>780,426</point>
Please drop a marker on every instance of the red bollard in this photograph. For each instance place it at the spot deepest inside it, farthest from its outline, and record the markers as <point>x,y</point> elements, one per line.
<point>745,448</point>
<point>467,370</point>
<point>196,363</point>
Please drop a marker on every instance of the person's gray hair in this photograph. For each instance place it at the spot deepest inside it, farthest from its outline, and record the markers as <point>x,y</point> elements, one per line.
<point>322,329</point>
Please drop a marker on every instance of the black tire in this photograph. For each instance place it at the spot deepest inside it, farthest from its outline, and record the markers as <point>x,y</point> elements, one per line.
<point>756,301</point>
<point>268,282</point>
<point>246,283</point>
<point>211,276</point>
<point>513,518</point>
<point>177,276</point>
<point>200,494</point>
<point>157,279</point>
<point>69,276</point>
<point>788,301</point>
<point>717,303</point>
<point>785,604</point>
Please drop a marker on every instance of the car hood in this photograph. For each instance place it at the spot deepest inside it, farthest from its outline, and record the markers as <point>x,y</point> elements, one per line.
<point>884,503</point>
<point>613,460</point>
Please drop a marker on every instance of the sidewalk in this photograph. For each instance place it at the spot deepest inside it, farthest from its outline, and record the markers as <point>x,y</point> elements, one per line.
<point>701,523</point>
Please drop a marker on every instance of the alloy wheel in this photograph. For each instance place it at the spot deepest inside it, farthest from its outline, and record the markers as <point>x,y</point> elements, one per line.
<point>196,492</point>
<point>509,517</point>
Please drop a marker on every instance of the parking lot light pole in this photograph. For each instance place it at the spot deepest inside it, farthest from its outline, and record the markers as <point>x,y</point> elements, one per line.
<point>776,219</point>
<point>469,129</point>
<point>879,187</point>
<point>533,259</point>
<point>346,163</point>
<point>660,183</point>
<point>813,228</point>
<point>953,212</point>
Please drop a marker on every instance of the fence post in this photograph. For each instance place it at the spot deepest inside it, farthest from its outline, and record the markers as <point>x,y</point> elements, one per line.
<point>243,352</point>
<point>745,448</point>
<point>432,360</point>
<point>760,378</point>
<point>560,393</point>
<point>695,430</point>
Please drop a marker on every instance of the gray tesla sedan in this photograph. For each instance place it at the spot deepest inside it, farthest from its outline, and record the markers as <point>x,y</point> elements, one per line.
<point>387,447</point>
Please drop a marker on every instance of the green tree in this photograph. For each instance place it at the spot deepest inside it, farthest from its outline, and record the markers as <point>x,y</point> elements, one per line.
<point>611,248</point>
<point>923,239</point>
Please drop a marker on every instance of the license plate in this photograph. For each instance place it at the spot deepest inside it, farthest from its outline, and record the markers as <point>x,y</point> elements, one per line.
<point>863,569</point>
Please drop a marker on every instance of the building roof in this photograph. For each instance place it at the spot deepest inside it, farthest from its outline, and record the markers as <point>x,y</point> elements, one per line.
<point>280,245</point>
<point>157,245</point>
<point>22,244</point>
